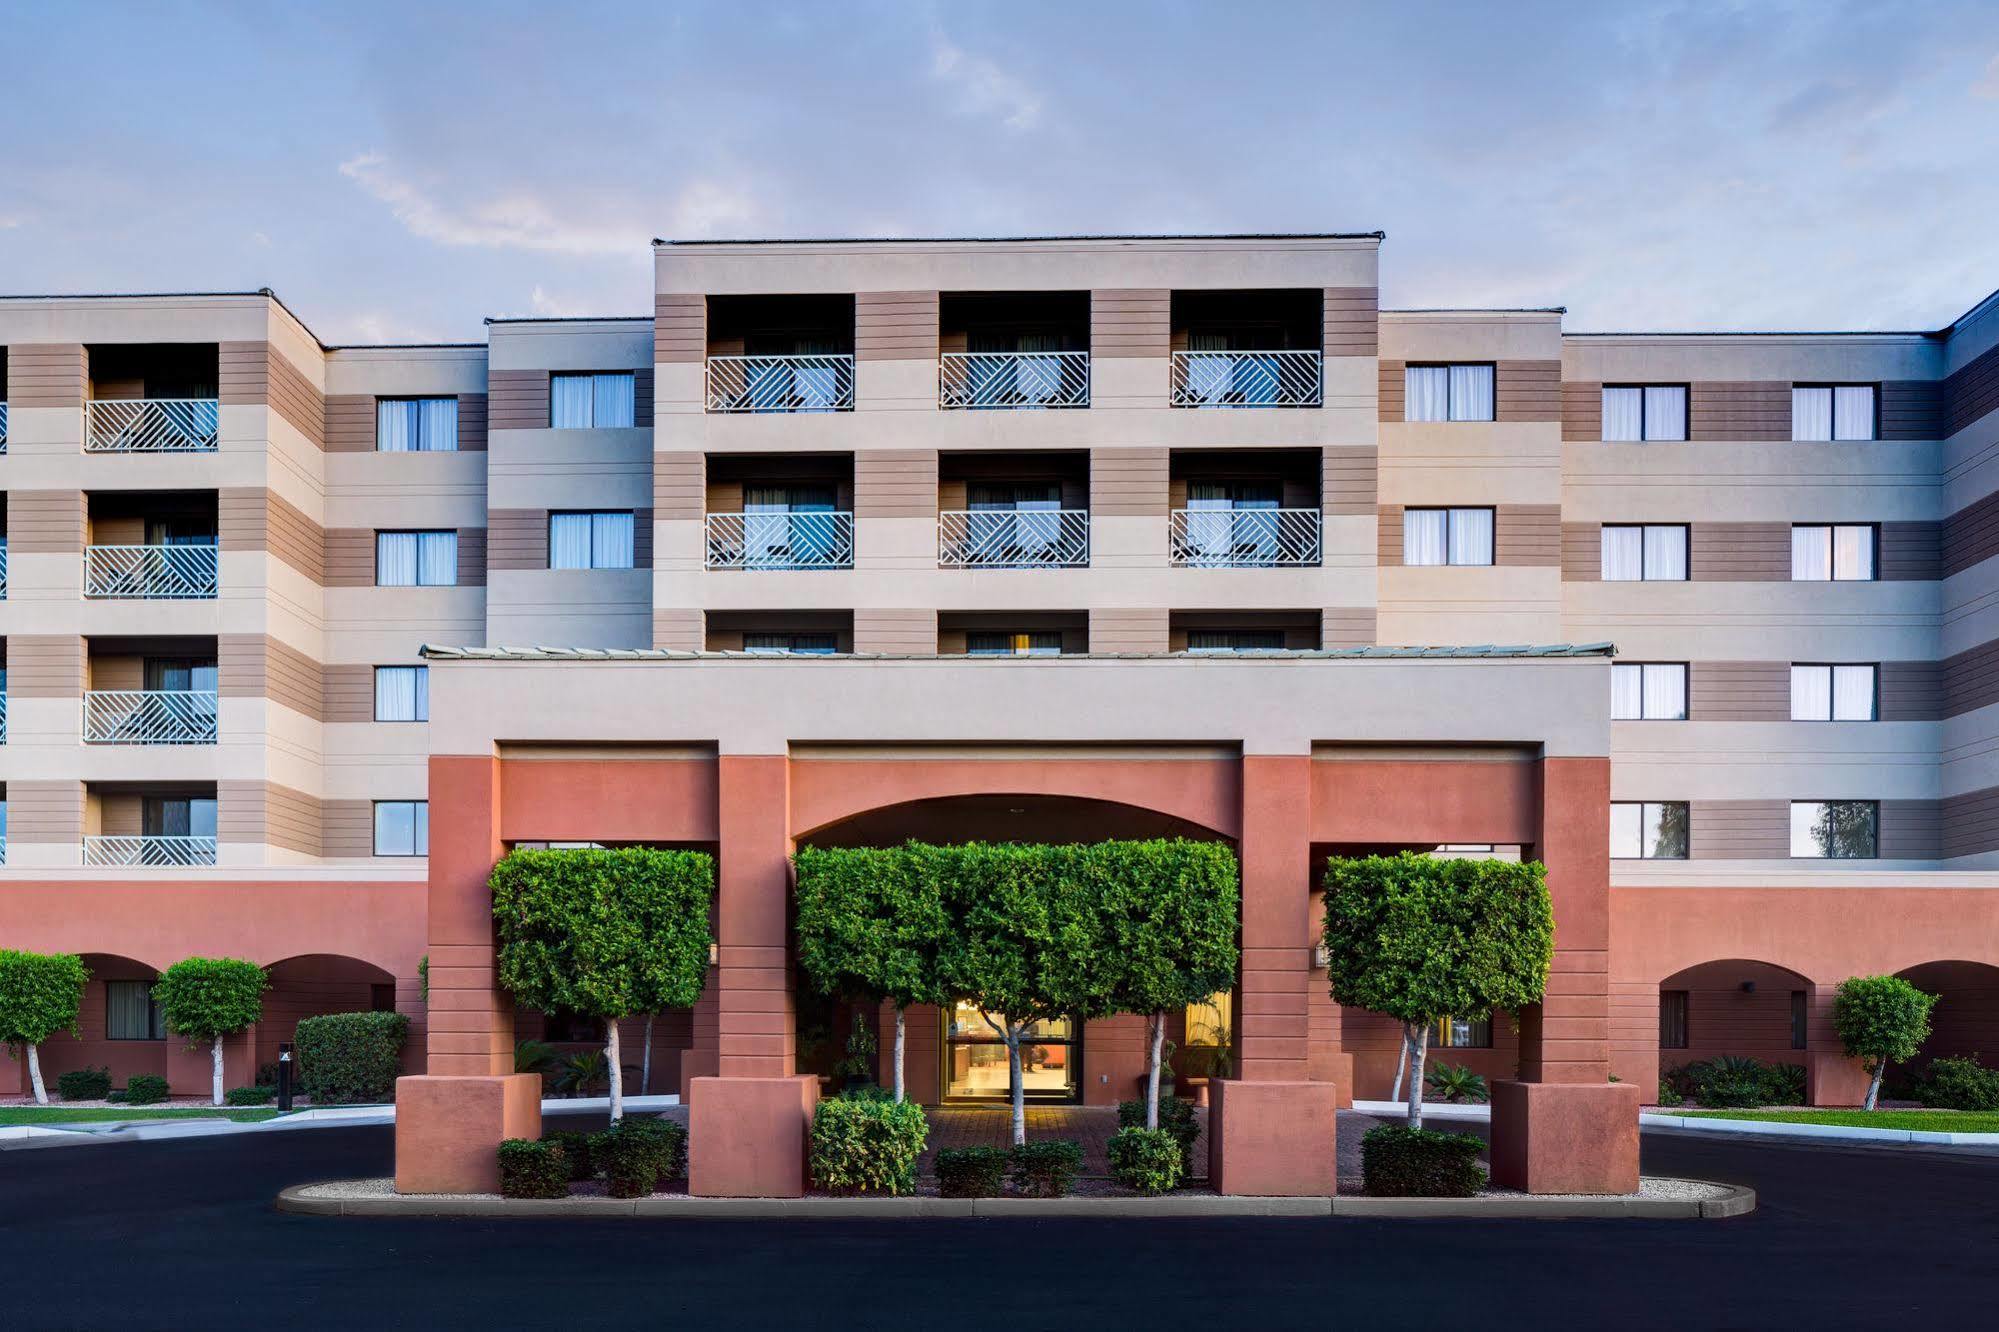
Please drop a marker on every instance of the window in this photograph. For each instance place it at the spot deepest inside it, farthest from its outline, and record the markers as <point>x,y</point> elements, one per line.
<point>791,645</point>
<point>1045,643</point>
<point>590,541</point>
<point>402,693</point>
<point>1446,536</point>
<point>402,827</point>
<point>1833,693</point>
<point>1644,411</point>
<point>131,1013</point>
<point>1223,641</point>
<point>1834,829</point>
<point>416,559</point>
<point>1644,553</point>
<point>1672,1019</point>
<point>416,425</point>
<point>1648,691</point>
<point>1648,830</point>
<point>1447,393</point>
<point>1210,1021</point>
<point>1835,552</point>
<point>1798,1011</point>
<point>177,816</point>
<point>1455,1033</point>
<point>592,401</point>
<point>1832,411</point>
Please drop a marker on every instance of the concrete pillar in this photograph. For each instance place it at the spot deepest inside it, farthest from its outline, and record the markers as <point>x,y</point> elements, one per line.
<point>1326,1057</point>
<point>1832,1077</point>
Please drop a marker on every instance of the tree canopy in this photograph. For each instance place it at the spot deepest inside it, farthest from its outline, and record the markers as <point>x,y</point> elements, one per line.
<point>1880,1019</point>
<point>207,998</point>
<point>40,994</point>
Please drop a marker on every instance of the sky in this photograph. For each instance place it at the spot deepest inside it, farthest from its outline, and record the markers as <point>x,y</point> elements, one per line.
<point>399,172</point>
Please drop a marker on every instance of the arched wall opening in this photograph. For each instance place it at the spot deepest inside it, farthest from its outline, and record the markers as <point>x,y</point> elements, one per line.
<point>1750,1009</point>
<point>319,984</point>
<point>1965,1021</point>
<point>117,1025</point>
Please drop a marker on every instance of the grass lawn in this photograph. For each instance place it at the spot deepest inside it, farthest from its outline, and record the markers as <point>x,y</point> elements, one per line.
<point>12,1116</point>
<point>1925,1121</point>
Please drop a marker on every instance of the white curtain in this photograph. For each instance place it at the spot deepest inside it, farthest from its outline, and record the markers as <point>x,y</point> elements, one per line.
<point>1666,553</point>
<point>1811,693</point>
<point>416,425</point>
<point>128,1011</point>
<point>571,402</point>
<point>395,559</point>
<point>437,559</point>
<point>402,693</point>
<point>1665,691</point>
<point>1811,554</point>
<point>395,425</point>
<point>1666,411</point>
<point>1471,393</point>
<point>615,400</point>
<point>1623,554</point>
<point>1853,553</point>
<point>569,541</point>
<point>1853,693</point>
<point>1426,393</point>
<point>1627,692</point>
<point>1811,413</point>
<point>610,541</point>
<point>1471,536</point>
<point>1626,820</point>
<point>1623,414</point>
<point>1853,412</point>
<point>437,425</point>
<point>1423,536</point>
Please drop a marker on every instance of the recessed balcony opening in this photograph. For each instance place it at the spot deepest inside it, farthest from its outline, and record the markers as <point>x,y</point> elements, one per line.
<point>3,700</point>
<point>159,825</point>
<point>1245,508</point>
<point>1013,633</point>
<point>150,691</point>
<point>780,511</point>
<point>1013,351</point>
<point>780,353</point>
<point>1024,510</point>
<point>1260,348</point>
<point>152,397</point>
<point>1240,633</point>
<point>150,545</point>
<point>781,633</point>
<point>3,399</point>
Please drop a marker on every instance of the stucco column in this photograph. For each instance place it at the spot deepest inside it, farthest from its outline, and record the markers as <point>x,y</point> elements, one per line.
<point>1271,1027</point>
<point>1832,1077</point>
<point>1326,1057</point>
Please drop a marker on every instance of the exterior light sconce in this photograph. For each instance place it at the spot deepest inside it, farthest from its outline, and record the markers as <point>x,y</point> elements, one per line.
<point>1749,987</point>
<point>714,952</point>
<point>1321,957</point>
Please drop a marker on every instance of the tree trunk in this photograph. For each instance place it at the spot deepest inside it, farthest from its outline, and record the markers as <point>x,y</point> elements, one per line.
<point>1418,1039</point>
<point>1013,1032</point>
<point>645,1061</point>
<point>215,1061</point>
<point>1401,1065</point>
<point>899,1043</point>
<point>617,1073</point>
<point>1152,1070</point>
<point>1874,1085</point>
<point>35,1074</point>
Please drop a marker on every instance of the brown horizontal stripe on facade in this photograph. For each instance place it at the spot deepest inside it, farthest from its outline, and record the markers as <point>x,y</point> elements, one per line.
<point>1350,480</point>
<point>1911,552</point>
<point>350,423</point>
<point>1911,409</point>
<point>895,483</point>
<point>1528,391</point>
<point>259,666</point>
<point>679,328</point>
<point>895,630</point>
<point>1388,536</point>
<point>1347,626</point>
<point>1739,691</point>
<point>1739,830</point>
<point>1970,536</point>
<point>1910,830</point>
<point>1128,629</point>
<point>265,813</point>
<point>46,374</point>
<point>677,628</point>
<point>1969,823</point>
<point>517,400</point>
<point>472,418</point>
<point>679,486</point>
<point>1352,321</point>
<point>1728,410</point>
<point>1391,386</point>
<point>517,539</point>
<point>1582,412</point>
<point>1739,552</point>
<point>1527,535</point>
<point>1911,691</point>
<point>349,692</point>
<point>256,374</point>
<point>1971,392</point>
<point>347,828</point>
<point>45,665</point>
<point>1582,552</point>
<point>250,519</point>
<point>471,557</point>
<point>895,326</point>
<point>45,812</point>
<point>1971,679</point>
<point>1131,322</point>
<point>350,557</point>
<point>45,522</point>
<point>1128,483</point>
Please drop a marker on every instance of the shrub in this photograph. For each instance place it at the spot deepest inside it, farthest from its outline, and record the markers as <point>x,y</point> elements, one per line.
<point>251,1095</point>
<point>867,1091</point>
<point>1784,1084</point>
<point>671,1139</point>
<point>867,1146</point>
<point>533,1169</point>
<point>85,1084</point>
<point>1046,1169</point>
<point>637,1155</point>
<point>1733,1082</point>
<point>971,1172</point>
<point>1175,1117</point>
<point>1399,1162</point>
<point>1456,1083</point>
<point>1145,1159</point>
<point>1950,1084</point>
<point>346,1058</point>
<point>576,1148</point>
<point>145,1089</point>
<point>583,1073</point>
<point>1880,1019</point>
<point>1669,1094</point>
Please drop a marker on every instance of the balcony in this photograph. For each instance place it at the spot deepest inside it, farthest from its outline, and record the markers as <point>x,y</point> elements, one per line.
<point>814,540</point>
<point>806,383</point>
<point>151,425</point>
<point>1244,538</point>
<point>151,397</point>
<point>3,568</point>
<point>3,719</point>
<point>147,851</point>
<point>781,353</point>
<point>1013,381</point>
<point>149,717</point>
<point>3,427</point>
<point>1013,538</point>
<point>1247,379</point>
<point>1252,348</point>
<point>150,573</point>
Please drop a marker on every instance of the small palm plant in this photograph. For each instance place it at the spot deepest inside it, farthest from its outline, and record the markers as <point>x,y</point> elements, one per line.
<point>1455,1083</point>
<point>582,1073</point>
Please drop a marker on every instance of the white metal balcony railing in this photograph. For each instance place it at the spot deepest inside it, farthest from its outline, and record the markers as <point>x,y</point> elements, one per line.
<point>150,573</point>
<point>3,427</point>
<point>150,425</point>
<point>1247,379</point>
<point>148,851</point>
<point>1244,538</point>
<point>3,569</point>
<point>822,540</point>
<point>1013,380</point>
<point>3,719</point>
<point>1013,538</point>
<point>781,383</point>
<point>149,717</point>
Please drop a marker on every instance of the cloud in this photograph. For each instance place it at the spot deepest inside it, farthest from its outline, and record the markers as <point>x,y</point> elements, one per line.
<point>983,88</point>
<point>1988,83</point>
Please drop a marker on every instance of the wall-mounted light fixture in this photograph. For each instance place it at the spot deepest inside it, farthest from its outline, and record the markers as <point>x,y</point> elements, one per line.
<point>1321,957</point>
<point>1749,987</point>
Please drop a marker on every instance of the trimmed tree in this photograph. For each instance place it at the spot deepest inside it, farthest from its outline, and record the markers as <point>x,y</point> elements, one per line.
<point>604,933</point>
<point>1880,1019</point>
<point>869,925</point>
<point>210,999</point>
<point>1420,939</point>
<point>40,994</point>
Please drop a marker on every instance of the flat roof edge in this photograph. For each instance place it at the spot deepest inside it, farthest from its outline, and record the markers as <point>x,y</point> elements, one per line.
<point>661,241</point>
<point>1474,652</point>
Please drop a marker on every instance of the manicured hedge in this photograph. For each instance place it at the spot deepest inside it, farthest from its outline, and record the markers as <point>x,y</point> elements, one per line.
<point>1950,1084</point>
<point>1399,1162</point>
<point>251,1095</point>
<point>146,1089</point>
<point>85,1084</point>
<point>1046,1169</point>
<point>350,1058</point>
<point>971,1172</point>
<point>576,1147</point>
<point>638,1155</point>
<point>1176,1116</point>
<point>531,1169</point>
<point>867,1146</point>
<point>1148,1160</point>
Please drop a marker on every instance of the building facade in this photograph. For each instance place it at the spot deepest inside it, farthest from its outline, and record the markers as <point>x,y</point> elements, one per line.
<point>858,540</point>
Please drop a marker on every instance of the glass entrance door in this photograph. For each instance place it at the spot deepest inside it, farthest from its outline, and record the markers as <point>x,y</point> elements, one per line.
<point>975,1064</point>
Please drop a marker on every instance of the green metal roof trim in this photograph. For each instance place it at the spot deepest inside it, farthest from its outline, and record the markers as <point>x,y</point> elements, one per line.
<point>435,652</point>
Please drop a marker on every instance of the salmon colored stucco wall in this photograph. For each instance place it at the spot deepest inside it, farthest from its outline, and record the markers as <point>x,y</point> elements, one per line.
<point>1426,800</point>
<point>608,800</point>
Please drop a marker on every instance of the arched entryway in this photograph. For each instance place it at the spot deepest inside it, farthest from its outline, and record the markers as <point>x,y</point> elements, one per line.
<point>1735,1006</point>
<point>118,1025</point>
<point>317,984</point>
<point>1965,1021</point>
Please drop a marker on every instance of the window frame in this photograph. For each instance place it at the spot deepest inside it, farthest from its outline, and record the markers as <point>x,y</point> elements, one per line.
<point>1832,531</point>
<point>155,1021</point>
<point>1874,849</point>
<point>792,637</point>
<point>1644,426</point>
<point>1677,1004</point>
<point>1831,697</point>
<point>420,845</point>
<point>1686,531</point>
<point>1441,1031</point>
<point>1800,1020</point>
<point>419,533</point>
<point>448,446</point>
<point>420,697</point>
<point>1686,708</point>
<point>1020,643</point>
<point>630,515</point>
<point>1640,806</point>
<point>1492,555</point>
<point>593,376</point>
<point>1449,417</point>
<point>1873,434</point>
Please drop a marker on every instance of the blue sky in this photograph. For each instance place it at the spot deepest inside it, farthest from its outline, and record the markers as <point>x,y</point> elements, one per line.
<point>400,171</point>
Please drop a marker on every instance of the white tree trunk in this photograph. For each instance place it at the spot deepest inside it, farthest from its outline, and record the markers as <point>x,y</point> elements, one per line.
<point>215,1062</point>
<point>1418,1039</point>
<point>1874,1085</point>
<point>1152,1070</point>
<point>35,1074</point>
<point>899,1041</point>
<point>645,1061</point>
<point>617,1073</point>
<point>1401,1065</point>
<point>1018,1089</point>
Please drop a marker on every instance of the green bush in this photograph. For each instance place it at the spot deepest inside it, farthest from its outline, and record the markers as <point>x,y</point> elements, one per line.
<point>867,1146</point>
<point>1145,1159</point>
<point>1950,1084</point>
<point>251,1095</point>
<point>1175,1117</point>
<point>671,1139</point>
<point>350,1058</point>
<point>971,1172</point>
<point>1734,1082</point>
<point>1045,1169</point>
<point>1669,1094</point>
<point>533,1169</point>
<point>1399,1162</point>
<point>85,1084</point>
<point>145,1089</point>
<point>576,1148</point>
<point>637,1155</point>
<point>1456,1083</point>
<point>869,1091</point>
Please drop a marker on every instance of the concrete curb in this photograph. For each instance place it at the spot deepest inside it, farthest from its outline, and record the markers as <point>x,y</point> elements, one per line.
<point>1777,1128</point>
<point>1737,1202</point>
